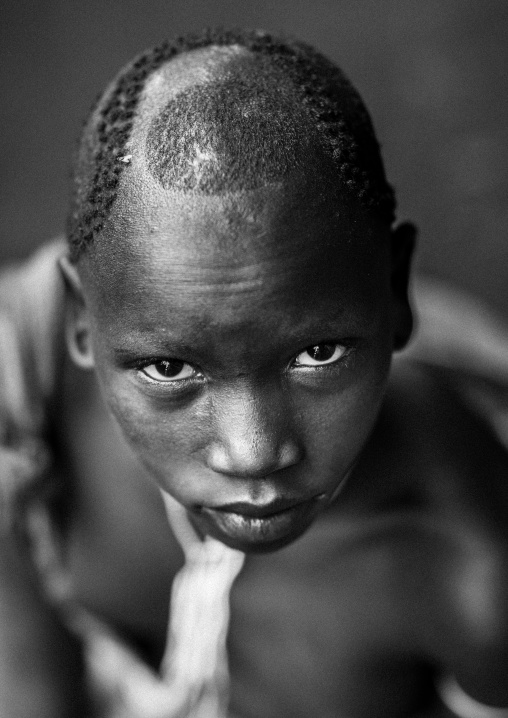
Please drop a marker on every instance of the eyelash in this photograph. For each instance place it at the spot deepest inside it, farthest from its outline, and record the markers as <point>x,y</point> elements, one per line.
<point>140,368</point>
<point>326,362</point>
<point>346,345</point>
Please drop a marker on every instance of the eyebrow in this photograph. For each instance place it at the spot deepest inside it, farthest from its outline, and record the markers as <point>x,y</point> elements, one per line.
<point>148,343</point>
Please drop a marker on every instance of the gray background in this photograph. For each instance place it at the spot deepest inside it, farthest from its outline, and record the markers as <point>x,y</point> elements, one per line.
<point>433,74</point>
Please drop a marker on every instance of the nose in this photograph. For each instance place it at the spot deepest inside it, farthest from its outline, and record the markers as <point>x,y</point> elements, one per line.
<point>253,435</point>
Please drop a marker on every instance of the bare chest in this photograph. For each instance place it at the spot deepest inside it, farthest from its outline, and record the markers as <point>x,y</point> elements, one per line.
<point>332,636</point>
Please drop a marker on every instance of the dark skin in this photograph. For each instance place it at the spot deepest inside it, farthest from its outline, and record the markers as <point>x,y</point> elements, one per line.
<point>247,416</point>
<point>401,570</point>
<point>235,352</point>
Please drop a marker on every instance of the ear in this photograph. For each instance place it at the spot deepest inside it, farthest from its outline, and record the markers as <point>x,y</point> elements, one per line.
<point>77,319</point>
<point>403,240</point>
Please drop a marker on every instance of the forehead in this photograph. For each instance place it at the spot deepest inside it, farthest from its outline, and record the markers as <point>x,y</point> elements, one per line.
<point>201,253</point>
<point>277,252</point>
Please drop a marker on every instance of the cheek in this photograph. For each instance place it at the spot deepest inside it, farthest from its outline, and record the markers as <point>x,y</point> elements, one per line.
<point>336,430</point>
<point>171,438</point>
<point>336,425</point>
<point>158,431</point>
<point>151,427</point>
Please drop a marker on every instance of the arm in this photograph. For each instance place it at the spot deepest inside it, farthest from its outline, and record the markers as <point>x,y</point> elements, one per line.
<point>466,465</point>
<point>40,663</point>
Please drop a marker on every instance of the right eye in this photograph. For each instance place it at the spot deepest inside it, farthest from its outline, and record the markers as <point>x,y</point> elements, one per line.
<point>168,370</point>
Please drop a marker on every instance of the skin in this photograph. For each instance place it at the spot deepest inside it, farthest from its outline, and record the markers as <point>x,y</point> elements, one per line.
<point>237,288</point>
<point>249,429</point>
<point>367,589</point>
<point>206,281</point>
<point>401,569</point>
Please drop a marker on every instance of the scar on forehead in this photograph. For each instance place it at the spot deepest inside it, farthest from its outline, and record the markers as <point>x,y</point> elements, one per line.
<point>226,135</point>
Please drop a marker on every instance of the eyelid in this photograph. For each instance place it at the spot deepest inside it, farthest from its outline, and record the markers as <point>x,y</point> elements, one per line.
<point>161,380</point>
<point>346,346</point>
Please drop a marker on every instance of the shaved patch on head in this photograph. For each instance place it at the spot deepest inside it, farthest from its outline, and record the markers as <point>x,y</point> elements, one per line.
<point>230,147</point>
<point>228,135</point>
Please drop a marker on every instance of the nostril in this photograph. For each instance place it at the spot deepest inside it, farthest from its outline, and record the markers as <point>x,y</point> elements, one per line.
<point>289,455</point>
<point>251,462</point>
<point>242,464</point>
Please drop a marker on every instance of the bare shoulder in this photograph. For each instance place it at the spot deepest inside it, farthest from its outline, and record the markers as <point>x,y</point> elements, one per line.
<point>449,442</point>
<point>448,445</point>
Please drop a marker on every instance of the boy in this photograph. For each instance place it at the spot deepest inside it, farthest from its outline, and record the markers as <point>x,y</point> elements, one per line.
<point>235,284</point>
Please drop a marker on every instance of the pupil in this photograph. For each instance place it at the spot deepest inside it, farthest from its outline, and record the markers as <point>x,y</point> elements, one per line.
<point>169,368</point>
<point>321,352</point>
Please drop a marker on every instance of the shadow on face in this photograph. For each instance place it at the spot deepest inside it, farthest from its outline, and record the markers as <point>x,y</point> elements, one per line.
<point>242,338</point>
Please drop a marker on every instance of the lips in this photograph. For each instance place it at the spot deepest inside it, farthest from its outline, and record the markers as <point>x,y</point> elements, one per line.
<point>260,511</point>
<point>252,527</point>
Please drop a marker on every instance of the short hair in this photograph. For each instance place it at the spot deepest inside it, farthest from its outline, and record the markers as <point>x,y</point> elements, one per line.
<point>311,82</point>
<point>230,134</point>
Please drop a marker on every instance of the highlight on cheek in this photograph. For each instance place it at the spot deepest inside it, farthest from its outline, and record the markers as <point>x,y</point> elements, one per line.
<point>321,355</point>
<point>168,370</point>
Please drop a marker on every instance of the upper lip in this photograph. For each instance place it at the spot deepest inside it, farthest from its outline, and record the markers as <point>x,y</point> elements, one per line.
<point>261,510</point>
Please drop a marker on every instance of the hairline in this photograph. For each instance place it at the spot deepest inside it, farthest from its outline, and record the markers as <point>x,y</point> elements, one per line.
<point>248,45</point>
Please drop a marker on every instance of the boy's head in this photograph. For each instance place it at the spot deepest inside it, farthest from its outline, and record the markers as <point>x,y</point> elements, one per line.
<point>235,279</point>
<point>309,90</point>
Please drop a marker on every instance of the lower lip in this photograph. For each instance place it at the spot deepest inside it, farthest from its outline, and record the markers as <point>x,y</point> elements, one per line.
<point>249,532</point>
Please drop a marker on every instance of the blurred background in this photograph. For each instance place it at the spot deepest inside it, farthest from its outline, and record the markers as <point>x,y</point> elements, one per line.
<point>432,72</point>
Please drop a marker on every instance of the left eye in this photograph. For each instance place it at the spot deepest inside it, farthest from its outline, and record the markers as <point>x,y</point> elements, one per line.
<point>320,355</point>
<point>168,370</point>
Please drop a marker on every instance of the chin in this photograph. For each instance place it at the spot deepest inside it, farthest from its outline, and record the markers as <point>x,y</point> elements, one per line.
<point>261,547</point>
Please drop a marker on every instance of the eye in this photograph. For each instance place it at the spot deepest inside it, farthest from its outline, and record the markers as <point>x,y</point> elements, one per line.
<point>320,355</point>
<point>168,370</point>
